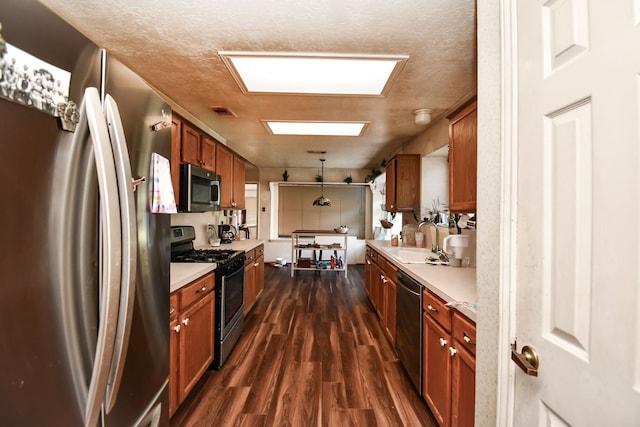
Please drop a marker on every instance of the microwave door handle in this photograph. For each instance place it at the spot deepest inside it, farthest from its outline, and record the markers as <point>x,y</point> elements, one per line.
<point>129,248</point>
<point>111,256</point>
<point>214,191</point>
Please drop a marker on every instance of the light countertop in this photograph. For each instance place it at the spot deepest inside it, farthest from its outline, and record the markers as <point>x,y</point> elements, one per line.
<point>183,273</point>
<point>452,284</point>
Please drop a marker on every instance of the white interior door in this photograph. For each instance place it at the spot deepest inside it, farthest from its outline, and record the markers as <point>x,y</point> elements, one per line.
<point>578,276</point>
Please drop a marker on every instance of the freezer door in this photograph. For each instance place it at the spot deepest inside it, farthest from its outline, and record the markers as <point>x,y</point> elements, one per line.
<point>49,283</point>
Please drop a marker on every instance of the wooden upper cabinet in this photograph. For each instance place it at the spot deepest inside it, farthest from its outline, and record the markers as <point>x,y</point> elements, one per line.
<point>224,168</point>
<point>403,183</point>
<point>176,135</point>
<point>463,159</point>
<point>208,153</point>
<point>239,167</point>
<point>190,152</point>
<point>197,149</point>
<point>231,169</point>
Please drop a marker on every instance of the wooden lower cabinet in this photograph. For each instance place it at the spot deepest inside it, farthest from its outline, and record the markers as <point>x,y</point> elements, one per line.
<point>253,277</point>
<point>380,284</point>
<point>448,380</point>
<point>436,377</point>
<point>463,372</point>
<point>191,343</point>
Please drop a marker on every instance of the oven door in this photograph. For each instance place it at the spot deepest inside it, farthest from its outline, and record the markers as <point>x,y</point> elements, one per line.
<point>232,299</point>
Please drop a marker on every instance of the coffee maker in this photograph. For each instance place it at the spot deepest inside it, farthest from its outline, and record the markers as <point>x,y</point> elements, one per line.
<point>227,233</point>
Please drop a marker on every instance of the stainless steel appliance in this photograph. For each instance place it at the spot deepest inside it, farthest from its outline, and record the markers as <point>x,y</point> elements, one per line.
<point>199,189</point>
<point>409,327</point>
<point>229,291</point>
<point>85,264</point>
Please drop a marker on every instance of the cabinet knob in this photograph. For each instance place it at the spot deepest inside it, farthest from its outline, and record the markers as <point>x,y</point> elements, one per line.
<point>443,342</point>
<point>202,289</point>
<point>256,264</point>
<point>171,310</point>
<point>453,351</point>
<point>177,328</point>
<point>185,321</point>
<point>432,308</point>
<point>468,340</point>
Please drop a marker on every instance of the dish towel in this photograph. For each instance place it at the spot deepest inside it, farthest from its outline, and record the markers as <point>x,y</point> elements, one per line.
<point>162,197</point>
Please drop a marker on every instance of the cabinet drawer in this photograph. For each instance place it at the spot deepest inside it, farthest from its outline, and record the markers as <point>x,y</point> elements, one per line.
<point>174,305</point>
<point>437,309</point>
<point>196,289</point>
<point>250,257</point>
<point>464,331</point>
<point>259,251</point>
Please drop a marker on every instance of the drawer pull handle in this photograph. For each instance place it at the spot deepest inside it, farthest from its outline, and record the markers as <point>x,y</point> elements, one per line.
<point>432,308</point>
<point>468,340</point>
<point>202,289</point>
<point>172,310</point>
<point>443,342</point>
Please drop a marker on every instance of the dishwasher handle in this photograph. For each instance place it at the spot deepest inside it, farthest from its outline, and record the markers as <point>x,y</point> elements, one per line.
<point>409,284</point>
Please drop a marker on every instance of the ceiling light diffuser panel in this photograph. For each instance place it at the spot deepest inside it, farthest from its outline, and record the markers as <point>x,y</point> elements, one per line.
<point>315,128</point>
<point>314,74</point>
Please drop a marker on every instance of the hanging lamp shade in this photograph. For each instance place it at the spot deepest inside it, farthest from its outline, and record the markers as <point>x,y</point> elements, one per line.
<point>322,201</point>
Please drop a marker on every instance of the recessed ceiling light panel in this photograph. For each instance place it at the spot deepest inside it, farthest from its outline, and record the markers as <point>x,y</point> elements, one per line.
<point>313,74</point>
<point>315,128</point>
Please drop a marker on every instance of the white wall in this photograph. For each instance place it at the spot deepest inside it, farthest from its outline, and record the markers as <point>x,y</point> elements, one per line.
<point>435,180</point>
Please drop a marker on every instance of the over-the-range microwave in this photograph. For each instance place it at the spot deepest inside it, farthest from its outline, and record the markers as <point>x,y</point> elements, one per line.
<point>199,189</point>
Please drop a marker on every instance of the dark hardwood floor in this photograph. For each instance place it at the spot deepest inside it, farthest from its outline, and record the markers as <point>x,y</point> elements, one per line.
<point>313,353</point>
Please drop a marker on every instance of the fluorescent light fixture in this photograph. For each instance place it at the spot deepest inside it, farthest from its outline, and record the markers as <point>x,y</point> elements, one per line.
<point>315,128</point>
<point>315,74</point>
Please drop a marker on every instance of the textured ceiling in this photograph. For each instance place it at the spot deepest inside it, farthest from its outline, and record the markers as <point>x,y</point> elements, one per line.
<point>174,46</point>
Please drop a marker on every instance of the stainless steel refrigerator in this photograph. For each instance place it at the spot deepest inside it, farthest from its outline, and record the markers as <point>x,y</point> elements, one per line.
<point>84,262</point>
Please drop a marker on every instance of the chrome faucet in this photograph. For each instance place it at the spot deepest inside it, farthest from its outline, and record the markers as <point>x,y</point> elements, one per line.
<point>435,238</point>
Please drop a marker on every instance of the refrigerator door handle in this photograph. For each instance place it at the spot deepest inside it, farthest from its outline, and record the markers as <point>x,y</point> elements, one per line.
<point>129,248</point>
<point>111,253</point>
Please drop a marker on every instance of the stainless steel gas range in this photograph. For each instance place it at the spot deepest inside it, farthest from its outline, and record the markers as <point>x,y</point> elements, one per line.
<point>229,291</point>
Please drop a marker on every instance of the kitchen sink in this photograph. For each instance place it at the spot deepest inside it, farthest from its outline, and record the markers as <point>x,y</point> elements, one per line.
<point>411,255</point>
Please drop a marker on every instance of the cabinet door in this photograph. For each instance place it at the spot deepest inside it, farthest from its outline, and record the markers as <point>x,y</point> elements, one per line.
<point>174,363</point>
<point>407,182</point>
<point>390,186</point>
<point>208,153</point>
<point>463,387</point>
<point>436,378</point>
<point>390,309</point>
<point>368,275</point>
<point>259,274</point>
<point>238,182</point>
<point>176,135</point>
<point>463,160</point>
<point>224,168</point>
<point>196,342</point>
<point>190,145</point>
<point>249,286</point>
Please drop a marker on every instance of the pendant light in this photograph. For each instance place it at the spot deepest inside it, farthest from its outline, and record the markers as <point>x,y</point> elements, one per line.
<point>322,201</point>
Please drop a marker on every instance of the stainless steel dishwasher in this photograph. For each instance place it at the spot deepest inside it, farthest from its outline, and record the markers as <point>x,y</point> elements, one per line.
<point>409,327</point>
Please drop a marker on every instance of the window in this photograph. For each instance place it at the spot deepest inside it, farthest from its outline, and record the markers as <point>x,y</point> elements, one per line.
<point>296,210</point>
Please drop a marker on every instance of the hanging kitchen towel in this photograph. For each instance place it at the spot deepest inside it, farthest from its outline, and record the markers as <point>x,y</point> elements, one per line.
<point>162,198</point>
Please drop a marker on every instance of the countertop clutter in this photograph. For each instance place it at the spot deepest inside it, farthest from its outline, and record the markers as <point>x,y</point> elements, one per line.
<point>184,273</point>
<point>455,285</point>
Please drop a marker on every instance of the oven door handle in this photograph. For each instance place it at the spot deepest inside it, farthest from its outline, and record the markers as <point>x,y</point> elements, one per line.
<point>129,248</point>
